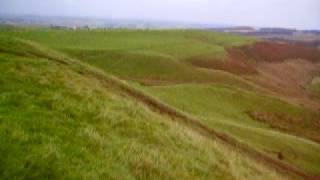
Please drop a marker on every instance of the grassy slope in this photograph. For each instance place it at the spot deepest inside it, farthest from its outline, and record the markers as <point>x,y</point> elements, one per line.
<point>161,55</point>
<point>142,55</point>
<point>225,109</point>
<point>57,122</point>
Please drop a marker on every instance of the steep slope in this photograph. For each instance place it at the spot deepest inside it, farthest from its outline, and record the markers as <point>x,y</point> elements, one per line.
<point>233,112</point>
<point>59,121</point>
<point>284,69</point>
<point>234,85</point>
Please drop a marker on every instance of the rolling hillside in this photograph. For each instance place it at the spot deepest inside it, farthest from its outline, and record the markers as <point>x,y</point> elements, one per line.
<point>230,107</point>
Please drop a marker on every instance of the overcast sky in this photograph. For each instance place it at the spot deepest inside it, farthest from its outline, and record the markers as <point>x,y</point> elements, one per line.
<point>303,14</point>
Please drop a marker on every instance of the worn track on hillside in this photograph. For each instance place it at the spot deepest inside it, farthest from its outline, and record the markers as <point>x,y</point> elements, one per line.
<point>197,126</point>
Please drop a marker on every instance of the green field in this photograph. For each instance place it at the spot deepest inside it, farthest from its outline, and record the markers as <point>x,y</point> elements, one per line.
<point>138,54</point>
<point>58,121</point>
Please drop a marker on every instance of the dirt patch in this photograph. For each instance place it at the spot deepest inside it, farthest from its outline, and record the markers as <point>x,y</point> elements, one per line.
<point>235,62</point>
<point>243,60</point>
<point>289,79</point>
<point>278,52</point>
<point>283,69</point>
<point>290,76</point>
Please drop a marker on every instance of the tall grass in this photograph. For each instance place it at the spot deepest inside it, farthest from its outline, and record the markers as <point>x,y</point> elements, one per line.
<point>225,109</point>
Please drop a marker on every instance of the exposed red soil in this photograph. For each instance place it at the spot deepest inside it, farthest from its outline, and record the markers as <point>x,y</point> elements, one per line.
<point>236,63</point>
<point>289,79</point>
<point>278,52</point>
<point>239,59</point>
<point>284,69</point>
<point>289,73</point>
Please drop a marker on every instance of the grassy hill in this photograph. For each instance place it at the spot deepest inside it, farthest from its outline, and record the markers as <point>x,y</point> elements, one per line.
<point>60,119</point>
<point>57,121</point>
<point>228,110</point>
<point>137,54</point>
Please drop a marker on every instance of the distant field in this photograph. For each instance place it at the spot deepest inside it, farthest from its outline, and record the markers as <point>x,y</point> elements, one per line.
<point>241,89</point>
